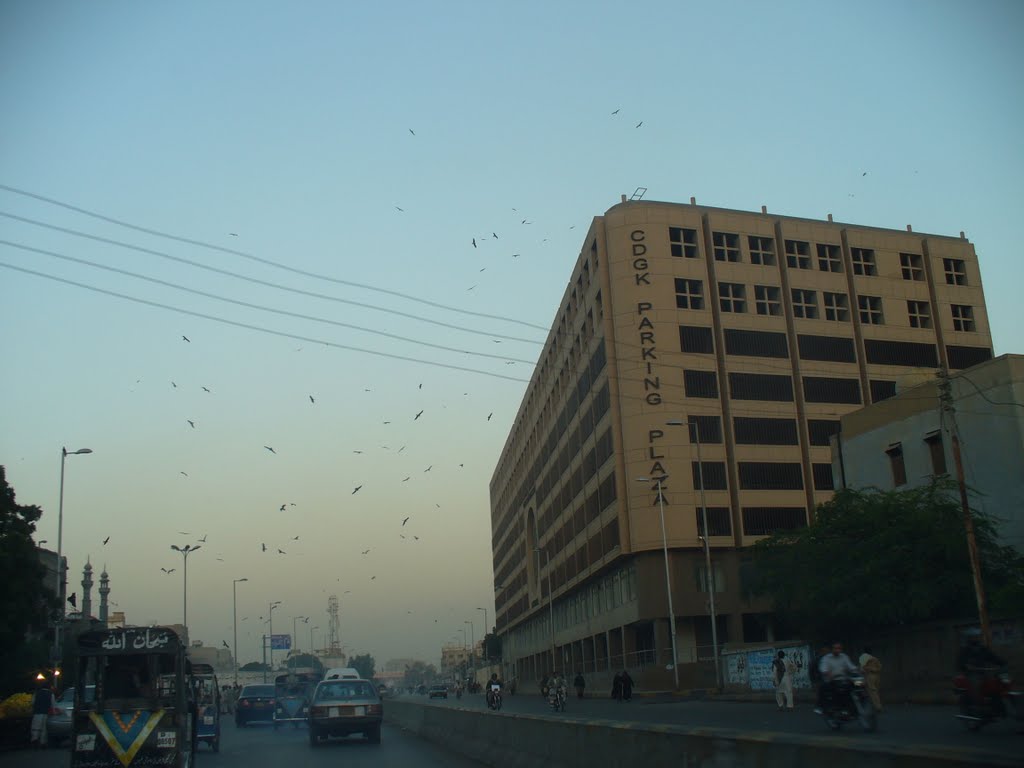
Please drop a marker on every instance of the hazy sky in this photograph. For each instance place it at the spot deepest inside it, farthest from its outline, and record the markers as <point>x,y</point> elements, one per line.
<point>291,125</point>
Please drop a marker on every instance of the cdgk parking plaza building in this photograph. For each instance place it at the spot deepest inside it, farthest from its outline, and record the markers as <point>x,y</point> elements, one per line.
<point>754,333</point>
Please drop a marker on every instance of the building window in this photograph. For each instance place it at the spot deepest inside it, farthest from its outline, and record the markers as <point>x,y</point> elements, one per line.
<point>920,314</point>
<point>870,309</point>
<point>713,474</point>
<point>770,476</point>
<point>963,317</point>
<point>705,429</point>
<point>908,353</point>
<point>689,294</point>
<point>752,430</point>
<point>696,339</point>
<point>829,258</point>
<point>956,271</point>
<point>683,242</point>
<point>864,261</point>
<point>767,300</point>
<point>823,480</point>
<point>912,266</point>
<point>732,297</point>
<point>837,306</point>
<point>899,469</point>
<point>820,430</point>
<point>772,387</point>
<point>831,389</point>
<point>700,384</point>
<point>829,349</point>
<point>798,254</point>
<point>719,523</point>
<point>756,343</point>
<point>763,521</point>
<point>762,250</point>
<point>881,390</point>
<point>937,452</point>
<point>727,246</point>
<point>805,304</point>
<point>964,357</point>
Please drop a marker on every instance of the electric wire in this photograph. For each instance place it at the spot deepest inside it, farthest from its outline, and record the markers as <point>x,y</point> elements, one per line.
<point>268,262</point>
<point>259,307</point>
<point>260,329</point>
<point>257,281</point>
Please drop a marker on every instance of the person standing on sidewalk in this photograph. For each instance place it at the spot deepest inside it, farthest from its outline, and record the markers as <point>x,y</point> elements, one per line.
<point>42,703</point>
<point>580,684</point>
<point>872,669</point>
<point>782,673</point>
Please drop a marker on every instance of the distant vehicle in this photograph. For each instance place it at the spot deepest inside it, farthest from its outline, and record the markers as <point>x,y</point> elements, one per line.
<point>255,703</point>
<point>292,694</point>
<point>438,692</point>
<point>342,673</point>
<point>206,692</point>
<point>382,690</point>
<point>58,723</point>
<point>343,707</point>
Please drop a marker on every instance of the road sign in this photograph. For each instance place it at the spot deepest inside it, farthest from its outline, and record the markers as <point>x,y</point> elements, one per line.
<point>280,642</point>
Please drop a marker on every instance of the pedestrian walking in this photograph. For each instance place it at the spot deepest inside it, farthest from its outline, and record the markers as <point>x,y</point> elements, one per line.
<point>617,686</point>
<point>580,685</point>
<point>783,670</point>
<point>627,686</point>
<point>42,703</point>
<point>872,669</point>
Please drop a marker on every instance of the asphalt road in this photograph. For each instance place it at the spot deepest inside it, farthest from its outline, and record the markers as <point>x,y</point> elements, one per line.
<point>260,746</point>
<point>900,725</point>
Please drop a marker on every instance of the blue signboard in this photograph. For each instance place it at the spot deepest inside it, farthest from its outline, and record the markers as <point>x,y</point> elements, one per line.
<point>280,642</point>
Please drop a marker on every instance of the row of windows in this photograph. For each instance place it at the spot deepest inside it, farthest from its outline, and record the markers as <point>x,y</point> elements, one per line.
<point>760,475</point>
<point>726,247</point>
<point>590,552</point>
<point>772,387</point>
<point>732,297</point>
<point>575,482</point>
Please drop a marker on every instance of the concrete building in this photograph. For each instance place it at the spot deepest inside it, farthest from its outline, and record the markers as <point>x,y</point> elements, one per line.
<point>458,660</point>
<point>906,440</point>
<point>759,331</point>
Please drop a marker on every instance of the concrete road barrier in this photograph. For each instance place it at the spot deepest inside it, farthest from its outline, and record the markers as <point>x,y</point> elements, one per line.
<point>506,740</point>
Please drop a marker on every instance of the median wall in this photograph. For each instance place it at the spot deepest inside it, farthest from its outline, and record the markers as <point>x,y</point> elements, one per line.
<point>505,740</point>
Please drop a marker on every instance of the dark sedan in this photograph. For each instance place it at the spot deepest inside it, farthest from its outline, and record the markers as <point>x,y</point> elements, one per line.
<point>344,707</point>
<point>255,703</point>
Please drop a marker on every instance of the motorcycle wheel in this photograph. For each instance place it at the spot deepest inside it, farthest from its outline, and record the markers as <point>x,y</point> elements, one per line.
<point>867,716</point>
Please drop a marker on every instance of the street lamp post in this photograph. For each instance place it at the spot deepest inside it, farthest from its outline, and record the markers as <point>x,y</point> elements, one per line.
<point>472,645</point>
<point>188,548</point>
<point>551,601</point>
<point>295,635</point>
<point>234,613</point>
<point>706,540</point>
<point>61,575</point>
<point>312,646</point>
<point>668,579</point>
<point>271,622</point>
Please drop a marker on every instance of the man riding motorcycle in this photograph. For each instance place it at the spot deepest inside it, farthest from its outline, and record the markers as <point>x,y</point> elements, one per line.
<point>833,666</point>
<point>979,664</point>
<point>557,687</point>
<point>494,686</point>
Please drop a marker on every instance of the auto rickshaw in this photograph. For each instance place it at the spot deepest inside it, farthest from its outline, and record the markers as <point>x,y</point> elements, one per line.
<point>293,693</point>
<point>206,692</point>
<point>143,710</point>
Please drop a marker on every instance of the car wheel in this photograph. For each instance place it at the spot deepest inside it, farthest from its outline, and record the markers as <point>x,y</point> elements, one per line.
<point>374,735</point>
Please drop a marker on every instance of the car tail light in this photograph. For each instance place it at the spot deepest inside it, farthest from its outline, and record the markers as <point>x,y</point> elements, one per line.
<point>374,709</point>
<point>244,703</point>
<point>318,711</point>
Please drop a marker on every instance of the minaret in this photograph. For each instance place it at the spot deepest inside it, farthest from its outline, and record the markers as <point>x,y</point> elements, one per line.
<point>87,591</point>
<point>104,591</point>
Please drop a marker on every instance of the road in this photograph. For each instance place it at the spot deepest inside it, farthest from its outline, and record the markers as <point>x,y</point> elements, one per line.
<point>900,725</point>
<point>260,746</point>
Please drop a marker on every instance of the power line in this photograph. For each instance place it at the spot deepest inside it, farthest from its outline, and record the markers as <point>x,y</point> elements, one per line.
<point>260,307</point>
<point>257,281</point>
<point>260,329</point>
<point>269,262</point>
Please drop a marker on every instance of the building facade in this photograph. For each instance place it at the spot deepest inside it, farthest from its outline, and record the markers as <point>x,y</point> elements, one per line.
<point>906,440</point>
<point>755,333</point>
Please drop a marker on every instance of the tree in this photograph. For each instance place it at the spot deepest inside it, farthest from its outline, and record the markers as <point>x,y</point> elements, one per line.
<point>254,666</point>
<point>364,665</point>
<point>492,647</point>
<point>419,673</point>
<point>880,558</point>
<point>27,604</point>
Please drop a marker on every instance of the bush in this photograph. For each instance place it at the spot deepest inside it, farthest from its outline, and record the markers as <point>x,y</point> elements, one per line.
<point>18,705</point>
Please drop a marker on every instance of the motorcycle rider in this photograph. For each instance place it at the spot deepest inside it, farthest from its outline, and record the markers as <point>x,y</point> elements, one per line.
<point>976,660</point>
<point>557,686</point>
<point>833,666</point>
<point>494,685</point>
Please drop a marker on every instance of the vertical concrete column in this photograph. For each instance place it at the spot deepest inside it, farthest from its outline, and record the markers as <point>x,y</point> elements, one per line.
<point>662,643</point>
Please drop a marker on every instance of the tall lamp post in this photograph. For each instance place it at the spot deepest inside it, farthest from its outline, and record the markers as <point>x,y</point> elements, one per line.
<point>312,647</point>
<point>295,636</point>
<point>61,575</point>
<point>270,619</point>
<point>668,579</point>
<point>185,551</point>
<point>234,613</point>
<point>483,639</point>
<point>551,601</point>
<point>705,538</point>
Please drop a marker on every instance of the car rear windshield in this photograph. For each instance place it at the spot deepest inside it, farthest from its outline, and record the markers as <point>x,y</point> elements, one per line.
<point>258,690</point>
<point>348,689</point>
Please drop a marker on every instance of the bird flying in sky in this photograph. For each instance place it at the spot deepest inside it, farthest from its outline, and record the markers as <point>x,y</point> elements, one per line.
<point>417,415</point>
<point>186,338</point>
<point>106,540</point>
<point>405,521</point>
<point>356,490</point>
<point>270,449</point>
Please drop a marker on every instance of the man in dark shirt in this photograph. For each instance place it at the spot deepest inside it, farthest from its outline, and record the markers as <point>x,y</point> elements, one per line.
<point>42,702</point>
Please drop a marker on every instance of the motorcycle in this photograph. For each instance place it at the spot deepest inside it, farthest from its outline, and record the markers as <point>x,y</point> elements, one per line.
<point>849,703</point>
<point>984,695</point>
<point>557,699</point>
<point>494,697</point>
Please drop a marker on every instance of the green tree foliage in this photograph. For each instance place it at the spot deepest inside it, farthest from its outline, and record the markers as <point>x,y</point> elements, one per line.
<point>26,603</point>
<point>419,673</point>
<point>304,661</point>
<point>880,558</point>
<point>364,664</point>
<point>492,647</point>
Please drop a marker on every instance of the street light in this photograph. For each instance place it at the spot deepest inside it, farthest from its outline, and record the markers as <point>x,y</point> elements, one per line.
<point>270,620</point>
<point>483,640</point>
<point>551,599</point>
<point>295,636</point>
<point>234,612</point>
<point>668,580</point>
<point>184,598</point>
<point>704,538</point>
<point>312,646</point>
<point>61,575</point>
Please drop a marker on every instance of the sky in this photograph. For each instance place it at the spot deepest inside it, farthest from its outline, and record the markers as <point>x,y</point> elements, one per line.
<point>341,230</point>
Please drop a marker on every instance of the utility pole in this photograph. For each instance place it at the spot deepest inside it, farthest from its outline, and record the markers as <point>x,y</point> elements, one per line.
<point>946,405</point>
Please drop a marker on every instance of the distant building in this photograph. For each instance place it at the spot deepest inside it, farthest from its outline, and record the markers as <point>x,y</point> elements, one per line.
<point>219,658</point>
<point>758,332</point>
<point>459,660</point>
<point>905,441</point>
